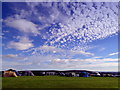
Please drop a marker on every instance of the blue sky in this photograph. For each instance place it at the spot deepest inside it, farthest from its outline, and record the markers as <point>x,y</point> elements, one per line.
<point>60,35</point>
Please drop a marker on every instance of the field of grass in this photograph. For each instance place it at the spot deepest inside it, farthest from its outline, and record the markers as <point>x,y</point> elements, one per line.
<point>59,82</point>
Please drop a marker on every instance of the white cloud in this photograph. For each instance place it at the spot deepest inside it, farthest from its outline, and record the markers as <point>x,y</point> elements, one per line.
<point>59,51</point>
<point>50,62</point>
<point>79,23</point>
<point>23,44</point>
<point>15,65</point>
<point>22,25</point>
<point>51,48</point>
<point>13,57</point>
<point>94,61</point>
<point>97,57</point>
<point>112,54</point>
<point>85,64</point>
<point>9,56</point>
<point>109,64</point>
<point>82,52</point>
<point>86,24</point>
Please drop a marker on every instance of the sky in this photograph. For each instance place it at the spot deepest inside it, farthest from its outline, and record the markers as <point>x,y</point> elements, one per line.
<point>60,36</point>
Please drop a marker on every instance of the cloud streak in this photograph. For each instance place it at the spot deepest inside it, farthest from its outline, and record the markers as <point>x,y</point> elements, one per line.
<point>112,54</point>
<point>57,51</point>
<point>50,62</point>
<point>9,56</point>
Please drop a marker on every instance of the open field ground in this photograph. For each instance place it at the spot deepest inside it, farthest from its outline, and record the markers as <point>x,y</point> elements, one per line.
<point>59,82</point>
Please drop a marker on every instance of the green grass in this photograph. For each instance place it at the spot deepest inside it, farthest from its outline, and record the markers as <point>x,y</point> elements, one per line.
<point>59,82</point>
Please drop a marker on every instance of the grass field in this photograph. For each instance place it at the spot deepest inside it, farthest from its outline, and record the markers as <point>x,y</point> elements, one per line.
<point>59,82</point>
